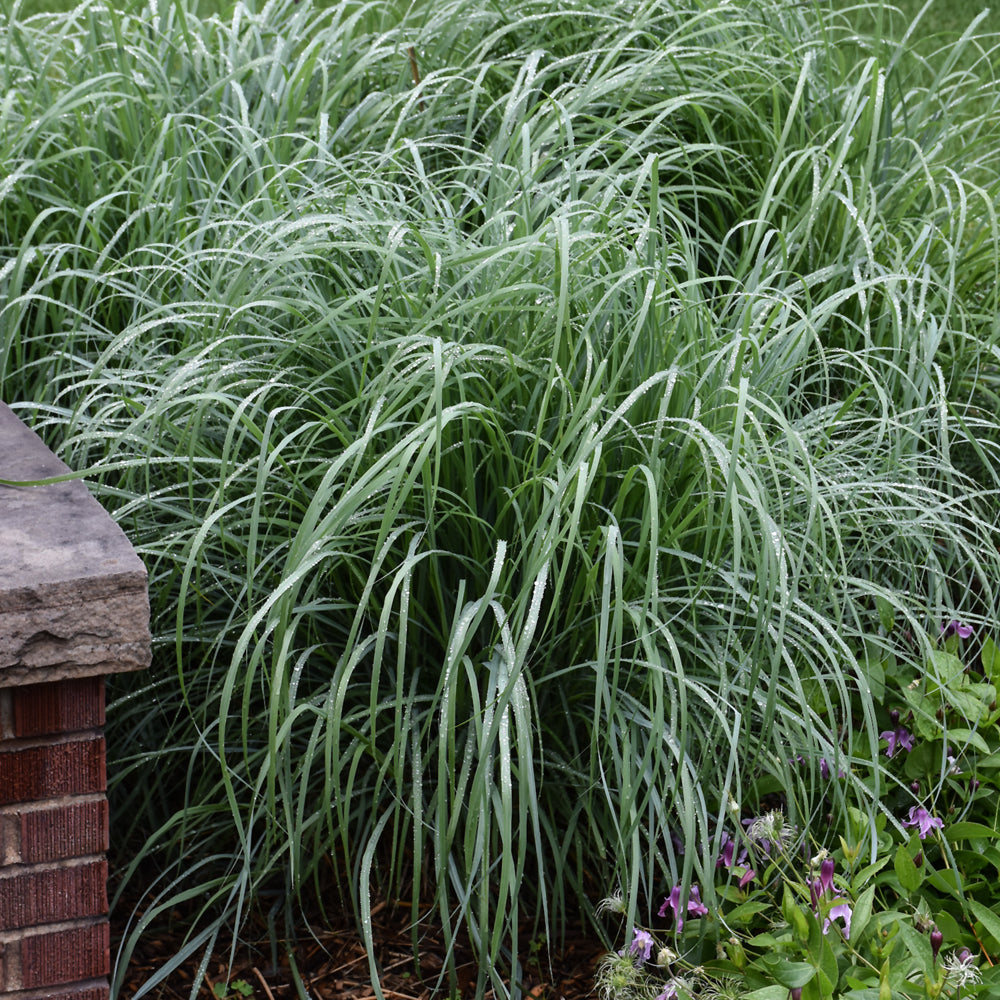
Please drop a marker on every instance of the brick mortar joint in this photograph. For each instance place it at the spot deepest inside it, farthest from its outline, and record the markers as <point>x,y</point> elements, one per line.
<point>13,744</point>
<point>18,868</point>
<point>40,930</point>
<point>55,803</point>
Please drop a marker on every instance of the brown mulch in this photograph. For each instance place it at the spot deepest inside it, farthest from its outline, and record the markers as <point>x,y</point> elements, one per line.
<point>333,964</point>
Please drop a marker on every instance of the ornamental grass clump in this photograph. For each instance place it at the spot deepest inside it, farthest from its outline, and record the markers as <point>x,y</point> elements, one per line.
<point>525,413</point>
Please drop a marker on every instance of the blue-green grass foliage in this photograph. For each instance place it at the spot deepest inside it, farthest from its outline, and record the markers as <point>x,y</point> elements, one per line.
<point>520,409</point>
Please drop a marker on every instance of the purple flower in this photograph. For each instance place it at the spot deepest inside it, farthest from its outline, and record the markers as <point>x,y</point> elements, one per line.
<point>826,874</point>
<point>937,939</point>
<point>695,905</point>
<point>825,771</point>
<point>669,991</point>
<point>921,818</point>
<point>728,856</point>
<point>748,876</point>
<point>824,884</point>
<point>728,850</point>
<point>897,737</point>
<point>673,902</point>
<point>841,911</point>
<point>956,628</point>
<point>641,946</point>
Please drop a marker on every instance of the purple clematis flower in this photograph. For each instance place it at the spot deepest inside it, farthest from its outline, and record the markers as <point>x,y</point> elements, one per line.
<point>842,911</point>
<point>826,874</point>
<point>823,886</point>
<point>825,770</point>
<point>923,820</point>
<point>728,856</point>
<point>727,853</point>
<point>937,939</point>
<point>673,902</point>
<point>898,737</point>
<point>695,905</point>
<point>641,946</point>
<point>956,628</point>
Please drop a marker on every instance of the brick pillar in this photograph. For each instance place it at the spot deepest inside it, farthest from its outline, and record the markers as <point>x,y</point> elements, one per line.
<point>73,609</point>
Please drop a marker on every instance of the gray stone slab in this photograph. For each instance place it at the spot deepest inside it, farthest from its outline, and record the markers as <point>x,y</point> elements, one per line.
<point>73,591</point>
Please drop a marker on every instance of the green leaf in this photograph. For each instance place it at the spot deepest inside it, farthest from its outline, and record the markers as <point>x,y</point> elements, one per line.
<point>946,668</point>
<point>948,926</point>
<point>743,913</point>
<point>828,971</point>
<point>987,918</point>
<point>868,872</point>
<point>972,862</point>
<point>791,974</point>
<point>918,945</point>
<point>946,880</point>
<point>906,870</point>
<point>791,911</point>
<point>884,987</point>
<point>925,758</point>
<point>990,763</point>
<point>875,675</point>
<point>990,658</point>
<point>968,737</point>
<point>972,702</point>
<point>768,993</point>
<point>970,831</point>
<point>764,940</point>
<point>862,914</point>
<point>886,613</point>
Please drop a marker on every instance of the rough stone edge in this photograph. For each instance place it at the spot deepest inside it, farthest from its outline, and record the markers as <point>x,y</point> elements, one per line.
<point>81,656</point>
<point>18,676</point>
<point>17,599</point>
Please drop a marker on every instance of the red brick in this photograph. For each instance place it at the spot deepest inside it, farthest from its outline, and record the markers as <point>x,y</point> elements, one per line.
<point>38,773</point>
<point>65,956</point>
<point>71,831</point>
<point>53,895</point>
<point>68,706</point>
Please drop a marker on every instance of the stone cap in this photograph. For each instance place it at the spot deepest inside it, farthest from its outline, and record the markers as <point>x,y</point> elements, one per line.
<point>73,592</point>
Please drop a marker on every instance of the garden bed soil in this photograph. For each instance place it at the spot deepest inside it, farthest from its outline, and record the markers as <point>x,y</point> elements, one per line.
<point>333,965</point>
